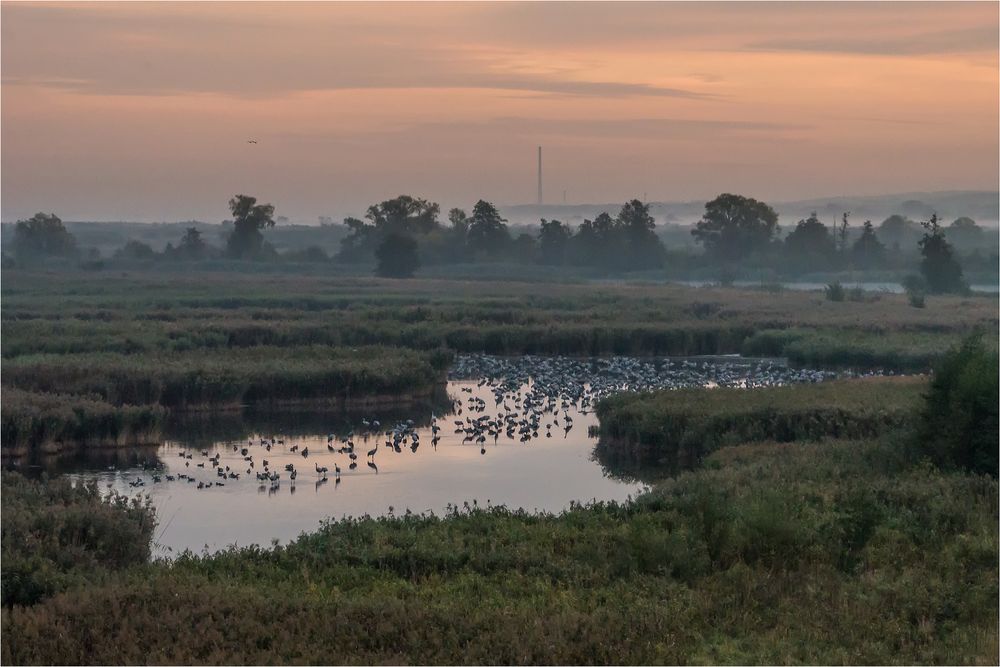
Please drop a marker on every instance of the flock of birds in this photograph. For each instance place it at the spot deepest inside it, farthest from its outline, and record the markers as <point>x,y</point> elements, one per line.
<point>532,398</point>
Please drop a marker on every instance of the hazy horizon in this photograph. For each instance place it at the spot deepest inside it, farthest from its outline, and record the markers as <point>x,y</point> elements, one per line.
<point>142,112</point>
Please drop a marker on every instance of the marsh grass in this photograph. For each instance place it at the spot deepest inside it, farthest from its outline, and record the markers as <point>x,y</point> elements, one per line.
<point>68,313</point>
<point>836,551</point>
<point>672,429</point>
<point>228,376</point>
<point>35,420</point>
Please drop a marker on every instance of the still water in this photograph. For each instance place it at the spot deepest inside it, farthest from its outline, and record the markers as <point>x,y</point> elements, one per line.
<point>541,474</point>
<point>510,431</point>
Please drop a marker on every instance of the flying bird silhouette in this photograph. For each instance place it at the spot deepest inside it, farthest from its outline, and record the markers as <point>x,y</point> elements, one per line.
<point>251,141</point>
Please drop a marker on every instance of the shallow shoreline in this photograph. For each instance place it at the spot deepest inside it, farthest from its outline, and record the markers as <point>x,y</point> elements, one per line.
<point>154,437</point>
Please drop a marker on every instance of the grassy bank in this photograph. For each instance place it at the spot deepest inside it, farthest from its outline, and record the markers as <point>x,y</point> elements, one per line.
<point>49,423</point>
<point>827,552</point>
<point>906,351</point>
<point>671,429</point>
<point>231,376</point>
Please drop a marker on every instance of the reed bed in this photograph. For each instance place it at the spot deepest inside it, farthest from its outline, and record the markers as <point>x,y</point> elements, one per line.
<point>45,422</point>
<point>226,377</point>
<point>69,313</point>
<point>672,429</point>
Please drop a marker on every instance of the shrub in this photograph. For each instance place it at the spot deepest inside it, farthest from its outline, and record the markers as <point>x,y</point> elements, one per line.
<point>958,425</point>
<point>56,535</point>
<point>835,292</point>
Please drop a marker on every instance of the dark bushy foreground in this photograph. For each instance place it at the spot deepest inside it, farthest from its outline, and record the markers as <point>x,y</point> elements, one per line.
<point>958,425</point>
<point>57,536</point>
<point>827,552</point>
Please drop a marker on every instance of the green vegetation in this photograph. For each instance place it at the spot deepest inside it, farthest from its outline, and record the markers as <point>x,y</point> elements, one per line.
<point>230,376</point>
<point>49,422</point>
<point>804,553</point>
<point>842,544</point>
<point>910,351</point>
<point>71,313</point>
<point>671,429</point>
<point>740,238</point>
<point>958,426</point>
<point>940,268</point>
<point>221,340</point>
<point>57,536</point>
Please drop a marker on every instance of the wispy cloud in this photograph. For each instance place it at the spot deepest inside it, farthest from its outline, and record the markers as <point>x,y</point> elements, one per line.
<point>984,38</point>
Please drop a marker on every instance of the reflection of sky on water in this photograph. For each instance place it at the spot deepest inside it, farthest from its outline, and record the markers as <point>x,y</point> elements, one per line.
<point>543,474</point>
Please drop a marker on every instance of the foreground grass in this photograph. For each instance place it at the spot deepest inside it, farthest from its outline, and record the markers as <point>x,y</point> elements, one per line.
<point>657,432</point>
<point>827,552</point>
<point>56,536</point>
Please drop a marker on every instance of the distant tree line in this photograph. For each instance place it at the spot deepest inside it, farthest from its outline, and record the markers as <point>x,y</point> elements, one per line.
<point>400,235</point>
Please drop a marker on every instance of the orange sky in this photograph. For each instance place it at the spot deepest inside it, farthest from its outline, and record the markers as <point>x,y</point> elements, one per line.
<point>142,111</point>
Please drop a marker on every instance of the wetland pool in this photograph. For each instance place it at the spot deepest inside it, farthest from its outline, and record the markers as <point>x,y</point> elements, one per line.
<point>502,432</point>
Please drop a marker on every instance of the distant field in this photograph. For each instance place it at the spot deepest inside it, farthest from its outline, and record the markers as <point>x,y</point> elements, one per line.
<point>72,313</point>
<point>108,341</point>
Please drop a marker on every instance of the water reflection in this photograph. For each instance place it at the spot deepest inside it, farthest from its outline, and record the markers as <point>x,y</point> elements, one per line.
<point>208,493</point>
<point>505,431</point>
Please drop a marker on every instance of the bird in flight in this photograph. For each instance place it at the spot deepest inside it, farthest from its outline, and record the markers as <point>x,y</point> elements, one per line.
<point>251,141</point>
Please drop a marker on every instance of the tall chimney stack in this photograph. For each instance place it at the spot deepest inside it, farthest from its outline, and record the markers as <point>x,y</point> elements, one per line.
<point>539,175</point>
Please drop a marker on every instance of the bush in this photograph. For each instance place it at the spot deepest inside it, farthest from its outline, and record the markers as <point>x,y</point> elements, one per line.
<point>56,535</point>
<point>959,422</point>
<point>835,292</point>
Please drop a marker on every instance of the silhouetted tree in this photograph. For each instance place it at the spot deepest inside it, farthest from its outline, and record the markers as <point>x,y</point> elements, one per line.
<point>643,248</point>
<point>810,244</point>
<point>842,232</point>
<point>898,232</point>
<point>43,235</point>
<point>396,256</point>
<point>734,226</point>
<point>867,251</point>
<point>584,248</point>
<point>488,232</point>
<point>406,214</point>
<point>359,244</point>
<point>402,215</point>
<point>553,241</point>
<point>191,245</point>
<point>965,234</point>
<point>939,267</point>
<point>249,219</point>
<point>459,222</point>
<point>136,250</point>
<point>524,249</point>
